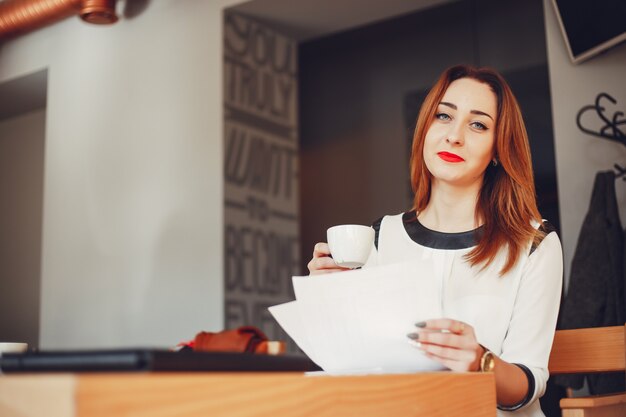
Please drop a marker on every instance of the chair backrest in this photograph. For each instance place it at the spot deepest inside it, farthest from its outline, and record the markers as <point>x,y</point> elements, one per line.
<point>600,349</point>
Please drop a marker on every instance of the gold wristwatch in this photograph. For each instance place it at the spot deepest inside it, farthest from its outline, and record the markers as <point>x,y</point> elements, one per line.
<point>487,361</point>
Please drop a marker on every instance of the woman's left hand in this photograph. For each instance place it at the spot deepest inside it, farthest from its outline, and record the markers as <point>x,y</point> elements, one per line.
<point>449,342</point>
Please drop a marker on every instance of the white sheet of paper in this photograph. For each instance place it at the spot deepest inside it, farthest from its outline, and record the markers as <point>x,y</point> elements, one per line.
<point>288,317</point>
<point>357,321</point>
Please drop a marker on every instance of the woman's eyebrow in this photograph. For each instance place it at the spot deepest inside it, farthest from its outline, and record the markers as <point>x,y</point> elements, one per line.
<point>453,106</point>
<point>481,113</point>
<point>445,103</point>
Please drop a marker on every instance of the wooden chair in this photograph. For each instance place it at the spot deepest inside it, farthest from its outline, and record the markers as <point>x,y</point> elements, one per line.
<point>601,349</point>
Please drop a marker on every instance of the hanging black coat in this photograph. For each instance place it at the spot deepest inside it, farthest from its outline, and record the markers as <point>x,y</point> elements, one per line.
<point>596,287</point>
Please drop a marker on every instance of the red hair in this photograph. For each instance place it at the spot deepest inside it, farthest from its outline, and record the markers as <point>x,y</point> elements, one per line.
<point>507,203</point>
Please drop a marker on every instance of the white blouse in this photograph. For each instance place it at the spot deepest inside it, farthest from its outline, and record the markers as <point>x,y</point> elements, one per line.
<point>513,315</point>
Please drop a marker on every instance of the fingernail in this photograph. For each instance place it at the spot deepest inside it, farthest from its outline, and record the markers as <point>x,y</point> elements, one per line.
<point>420,324</point>
<point>413,336</point>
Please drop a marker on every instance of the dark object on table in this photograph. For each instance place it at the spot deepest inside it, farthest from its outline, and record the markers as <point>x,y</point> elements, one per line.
<point>128,360</point>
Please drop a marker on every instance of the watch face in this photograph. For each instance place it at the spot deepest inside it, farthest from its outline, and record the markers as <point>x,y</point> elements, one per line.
<point>487,362</point>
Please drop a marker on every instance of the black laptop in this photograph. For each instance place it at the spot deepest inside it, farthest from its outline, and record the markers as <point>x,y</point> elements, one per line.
<point>157,360</point>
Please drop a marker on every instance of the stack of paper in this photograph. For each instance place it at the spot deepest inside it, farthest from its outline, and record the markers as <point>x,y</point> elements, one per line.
<point>357,321</point>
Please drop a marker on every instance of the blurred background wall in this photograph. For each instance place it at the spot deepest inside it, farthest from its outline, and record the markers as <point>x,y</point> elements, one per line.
<point>124,214</point>
<point>131,248</point>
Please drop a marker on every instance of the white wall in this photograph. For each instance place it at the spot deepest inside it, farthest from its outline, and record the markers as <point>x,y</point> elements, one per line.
<point>132,229</point>
<point>579,155</point>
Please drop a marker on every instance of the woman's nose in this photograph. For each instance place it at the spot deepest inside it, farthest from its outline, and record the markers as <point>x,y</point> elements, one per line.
<point>455,134</point>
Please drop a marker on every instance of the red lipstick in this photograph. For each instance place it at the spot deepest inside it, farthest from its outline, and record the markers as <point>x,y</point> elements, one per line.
<point>450,157</point>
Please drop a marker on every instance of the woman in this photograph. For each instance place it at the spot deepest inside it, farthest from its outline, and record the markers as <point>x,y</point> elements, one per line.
<point>476,218</point>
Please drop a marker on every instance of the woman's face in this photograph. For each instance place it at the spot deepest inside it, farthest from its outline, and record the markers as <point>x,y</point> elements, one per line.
<point>459,144</point>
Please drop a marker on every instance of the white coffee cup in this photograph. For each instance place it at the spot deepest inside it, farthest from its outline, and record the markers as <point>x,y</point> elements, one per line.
<point>350,244</point>
<point>11,347</point>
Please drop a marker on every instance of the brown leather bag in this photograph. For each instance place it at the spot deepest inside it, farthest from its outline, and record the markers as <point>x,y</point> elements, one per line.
<point>242,339</point>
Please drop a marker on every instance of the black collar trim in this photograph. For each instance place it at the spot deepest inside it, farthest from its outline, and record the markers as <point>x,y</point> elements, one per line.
<point>438,240</point>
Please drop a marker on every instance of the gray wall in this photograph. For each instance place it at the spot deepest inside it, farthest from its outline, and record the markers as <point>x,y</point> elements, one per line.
<point>580,155</point>
<point>21,211</point>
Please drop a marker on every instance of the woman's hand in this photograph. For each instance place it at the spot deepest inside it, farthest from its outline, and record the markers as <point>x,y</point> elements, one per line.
<point>322,263</point>
<point>449,342</point>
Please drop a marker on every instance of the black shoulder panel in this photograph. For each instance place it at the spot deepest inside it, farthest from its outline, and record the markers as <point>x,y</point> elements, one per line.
<point>376,227</point>
<point>545,227</point>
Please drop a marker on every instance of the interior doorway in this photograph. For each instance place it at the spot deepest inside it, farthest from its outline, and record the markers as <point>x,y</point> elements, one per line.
<point>22,144</point>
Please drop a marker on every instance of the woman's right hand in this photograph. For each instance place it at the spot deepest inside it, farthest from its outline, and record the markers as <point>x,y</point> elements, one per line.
<point>322,262</point>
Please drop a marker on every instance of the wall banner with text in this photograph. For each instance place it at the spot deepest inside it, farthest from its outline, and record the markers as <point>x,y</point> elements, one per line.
<point>261,230</point>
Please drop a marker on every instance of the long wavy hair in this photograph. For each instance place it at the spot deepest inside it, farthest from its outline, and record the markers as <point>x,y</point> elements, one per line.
<point>507,201</point>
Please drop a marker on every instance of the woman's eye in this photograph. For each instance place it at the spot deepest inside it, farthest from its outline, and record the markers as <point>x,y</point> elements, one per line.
<point>442,116</point>
<point>478,125</point>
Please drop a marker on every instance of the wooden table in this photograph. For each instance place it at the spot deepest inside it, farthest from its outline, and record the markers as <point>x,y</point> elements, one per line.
<point>246,394</point>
